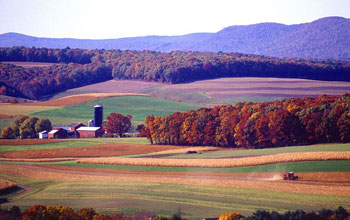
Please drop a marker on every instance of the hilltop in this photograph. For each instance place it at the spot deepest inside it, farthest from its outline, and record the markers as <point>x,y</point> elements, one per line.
<point>325,38</point>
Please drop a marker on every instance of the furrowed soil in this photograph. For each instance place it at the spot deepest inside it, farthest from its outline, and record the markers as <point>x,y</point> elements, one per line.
<point>89,151</point>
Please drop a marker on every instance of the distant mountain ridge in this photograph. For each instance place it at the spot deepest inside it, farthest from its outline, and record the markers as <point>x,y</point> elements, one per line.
<point>325,38</point>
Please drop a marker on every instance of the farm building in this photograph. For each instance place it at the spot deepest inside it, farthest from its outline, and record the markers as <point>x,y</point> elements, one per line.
<point>76,125</point>
<point>58,133</point>
<point>90,132</point>
<point>43,135</point>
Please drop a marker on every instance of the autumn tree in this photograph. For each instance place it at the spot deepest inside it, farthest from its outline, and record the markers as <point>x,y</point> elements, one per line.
<point>7,133</point>
<point>287,122</point>
<point>117,124</point>
<point>231,216</point>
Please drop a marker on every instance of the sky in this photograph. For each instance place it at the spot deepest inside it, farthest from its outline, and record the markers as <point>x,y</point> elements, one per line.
<point>106,19</point>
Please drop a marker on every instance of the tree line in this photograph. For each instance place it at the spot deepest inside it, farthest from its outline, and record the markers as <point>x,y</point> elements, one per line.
<point>65,212</point>
<point>26,127</point>
<point>78,67</point>
<point>287,122</point>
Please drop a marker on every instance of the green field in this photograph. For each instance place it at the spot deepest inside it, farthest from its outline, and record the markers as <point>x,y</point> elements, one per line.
<point>309,166</point>
<point>195,201</point>
<point>137,106</point>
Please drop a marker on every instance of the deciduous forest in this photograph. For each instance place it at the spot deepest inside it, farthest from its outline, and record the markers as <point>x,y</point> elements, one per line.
<point>77,67</point>
<point>294,121</point>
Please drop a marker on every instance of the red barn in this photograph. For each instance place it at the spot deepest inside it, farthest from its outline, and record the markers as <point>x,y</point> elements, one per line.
<point>90,132</point>
<point>58,133</point>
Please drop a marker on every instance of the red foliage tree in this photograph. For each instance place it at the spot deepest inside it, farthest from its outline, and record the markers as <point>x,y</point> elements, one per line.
<point>117,124</point>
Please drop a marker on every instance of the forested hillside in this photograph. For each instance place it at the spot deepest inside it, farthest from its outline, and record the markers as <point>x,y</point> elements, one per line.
<point>77,67</point>
<point>294,121</point>
<point>325,38</point>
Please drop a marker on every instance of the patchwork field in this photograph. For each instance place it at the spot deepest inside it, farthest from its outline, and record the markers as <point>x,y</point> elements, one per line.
<point>237,180</point>
<point>223,90</point>
<point>199,192</point>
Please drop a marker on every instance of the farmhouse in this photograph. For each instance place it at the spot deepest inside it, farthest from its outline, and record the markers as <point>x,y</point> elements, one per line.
<point>58,133</point>
<point>90,132</point>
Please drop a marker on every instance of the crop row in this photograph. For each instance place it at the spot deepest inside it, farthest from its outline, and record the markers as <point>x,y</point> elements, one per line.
<point>221,163</point>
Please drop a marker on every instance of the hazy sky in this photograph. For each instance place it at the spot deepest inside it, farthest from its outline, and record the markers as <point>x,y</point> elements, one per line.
<point>98,19</point>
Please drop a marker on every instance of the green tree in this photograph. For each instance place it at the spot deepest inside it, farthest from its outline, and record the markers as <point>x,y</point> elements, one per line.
<point>7,133</point>
<point>43,125</point>
<point>27,129</point>
<point>16,124</point>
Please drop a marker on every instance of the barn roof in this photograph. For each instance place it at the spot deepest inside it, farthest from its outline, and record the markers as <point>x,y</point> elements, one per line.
<point>63,127</point>
<point>88,128</point>
<point>75,124</point>
<point>43,132</point>
<point>53,131</point>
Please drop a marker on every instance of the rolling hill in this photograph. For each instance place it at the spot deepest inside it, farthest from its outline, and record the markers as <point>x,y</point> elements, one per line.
<point>325,38</point>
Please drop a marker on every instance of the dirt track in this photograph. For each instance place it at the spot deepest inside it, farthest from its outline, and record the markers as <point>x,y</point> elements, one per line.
<point>246,181</point>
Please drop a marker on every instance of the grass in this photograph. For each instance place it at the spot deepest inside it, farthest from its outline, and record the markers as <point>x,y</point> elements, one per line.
<point>195,201</point>
<point>137,106</point>
<point>266,151</point>
<point>74,143</point>
<point>309,166</point>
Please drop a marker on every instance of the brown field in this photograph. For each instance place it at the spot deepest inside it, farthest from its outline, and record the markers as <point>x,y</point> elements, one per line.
<point>30,64</point>
<point>249,86</point>
<point>29,141</point>
<point>2,116</point>
<point>80,98</point>
<point>271,184</point>
<point>102,150</point>
<point>221,163</point>
<point>123,86</point>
